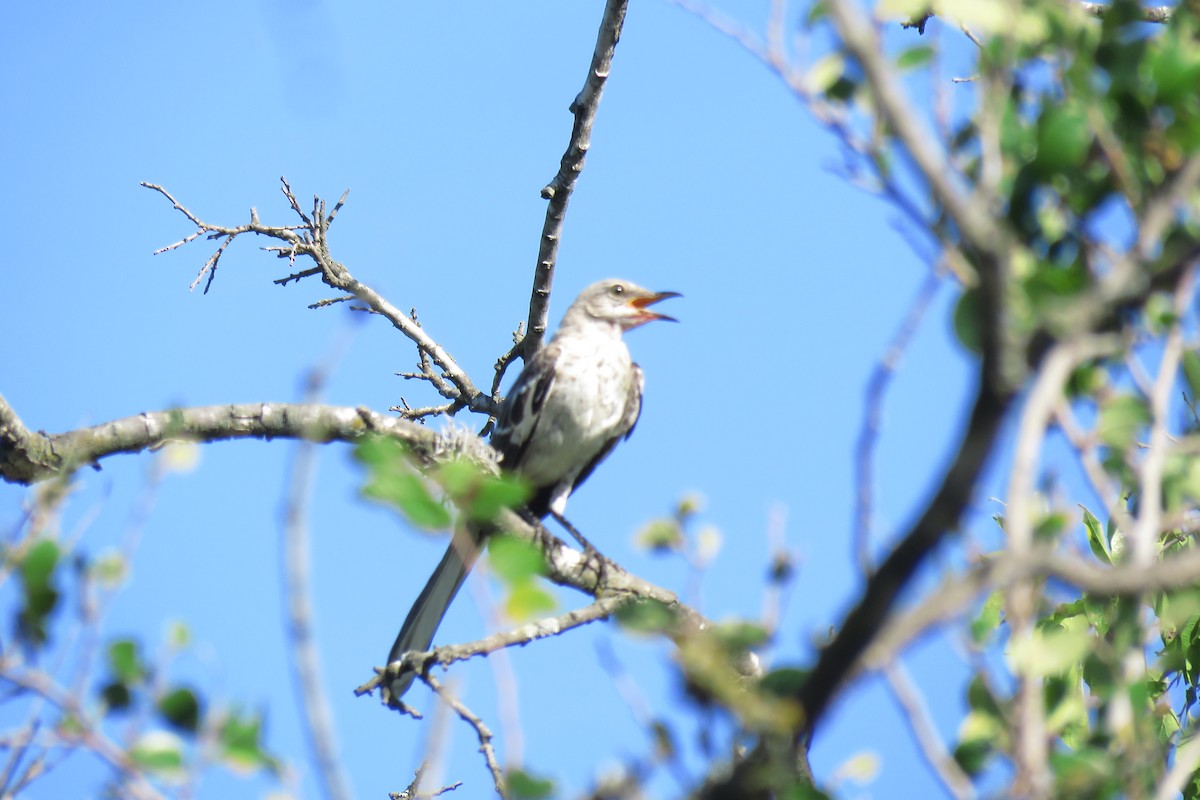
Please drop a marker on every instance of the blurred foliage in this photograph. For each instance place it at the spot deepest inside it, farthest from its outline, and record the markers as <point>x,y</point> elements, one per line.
<point>102,695</point>
<point>1076,126</point>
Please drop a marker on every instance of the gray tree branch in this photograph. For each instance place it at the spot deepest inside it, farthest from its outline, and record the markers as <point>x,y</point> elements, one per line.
<point>27,456</point>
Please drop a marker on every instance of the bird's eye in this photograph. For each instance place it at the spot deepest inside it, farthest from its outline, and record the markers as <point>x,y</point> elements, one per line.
<point>617,290</point>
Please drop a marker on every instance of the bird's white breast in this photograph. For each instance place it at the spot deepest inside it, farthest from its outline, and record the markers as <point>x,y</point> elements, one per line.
<point>584,409</point>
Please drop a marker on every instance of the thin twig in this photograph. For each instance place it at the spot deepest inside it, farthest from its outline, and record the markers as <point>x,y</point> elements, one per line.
<point>908,696</point>
<point>1145,534</point>
<point>1029,748</point>
<point>304,657</point>
<point>482,732</point>
<point>310,241</point>
<point>558,191</point>
<point>519,636</point>
<point>872,419</point>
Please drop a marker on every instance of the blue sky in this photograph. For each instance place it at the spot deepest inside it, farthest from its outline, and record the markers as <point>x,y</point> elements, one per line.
<point>705,177</point>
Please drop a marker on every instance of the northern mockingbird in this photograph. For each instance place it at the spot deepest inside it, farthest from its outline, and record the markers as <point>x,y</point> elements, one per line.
<point>576,398</point>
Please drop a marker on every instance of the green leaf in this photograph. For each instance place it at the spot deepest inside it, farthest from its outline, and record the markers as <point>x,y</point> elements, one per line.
<point>816,12</point>
<point>527,600</point>
<point>381,451</point>
<point>459,478</point>
<point>979,735</point>
<point>407,492</point>
<point>1175,70</point>
<point>239,739</point>
<point>525,786</point>
<point>1064,137</point>
<point>110,569</point>
<point>825,72</point>
<point>1050,527</point>
<point>1159,313</point>
<point>988,620</point>
<point>179,635</point>
<point>40,594</point>
<point>1096,538</point>
<point>973,756</point>
<point>966,321</point>
<point>1191,372</point>
<point>481,494</point>
<point>498,492</point>
<point>660,535</point>
<point>1050,651</point>
<point>688,506</point>
<point>981,700</point>
<point>181,709</point>
<point>125,661</point>
<point>1121,418</point>
<point>804,791</point>
<point>739,636</point>
<point>1087,379</point>
<point>783,682</point>
<point>645,616</point>
<point>39,562</point>
<point>393,481</point>
<point>914,57</point>
<point>116,696</point>
<point>159,752</point>
<point>514,560</point>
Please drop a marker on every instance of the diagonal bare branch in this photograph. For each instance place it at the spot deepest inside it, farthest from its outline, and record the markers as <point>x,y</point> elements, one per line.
<point>310,241</point>
<point>558,191</point>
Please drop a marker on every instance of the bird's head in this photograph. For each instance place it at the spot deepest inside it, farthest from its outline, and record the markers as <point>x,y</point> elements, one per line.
<point>621,302</point>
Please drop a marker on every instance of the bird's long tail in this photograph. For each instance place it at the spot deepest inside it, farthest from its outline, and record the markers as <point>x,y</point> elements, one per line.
<point>426,613</point>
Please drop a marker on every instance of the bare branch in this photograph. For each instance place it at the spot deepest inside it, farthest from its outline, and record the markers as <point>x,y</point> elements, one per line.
<point>940,516</point>
<point>868,435</point>
<point>519,636</point>
<point>27,457</point>
<point>482,732</point>
<point>305,661</point>
<point>951,598</point>
<point>1186,761</point>
<point>957,782</point>
<point>1144,536</point>
<point>310,240</point>
<point>1030,752</point>
<point>971,214</point>
<point>558,191</point>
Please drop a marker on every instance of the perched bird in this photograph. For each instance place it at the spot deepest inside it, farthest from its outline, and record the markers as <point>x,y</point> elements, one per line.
<point>576,398</point>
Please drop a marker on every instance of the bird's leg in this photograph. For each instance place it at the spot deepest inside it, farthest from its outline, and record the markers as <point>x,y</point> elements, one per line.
<point>589,552</point>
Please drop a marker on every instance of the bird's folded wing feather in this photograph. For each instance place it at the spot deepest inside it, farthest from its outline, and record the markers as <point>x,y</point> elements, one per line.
<point>521,412</point>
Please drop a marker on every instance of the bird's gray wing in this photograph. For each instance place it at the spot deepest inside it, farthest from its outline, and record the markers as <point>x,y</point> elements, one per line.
<point>517,422</point>
<point>633,410</point>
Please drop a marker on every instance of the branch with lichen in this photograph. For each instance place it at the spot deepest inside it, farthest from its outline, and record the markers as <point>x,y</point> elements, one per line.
<point>27,456</point>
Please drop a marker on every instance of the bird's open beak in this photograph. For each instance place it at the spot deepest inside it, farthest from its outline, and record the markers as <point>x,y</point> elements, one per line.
<point>642,303</point>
